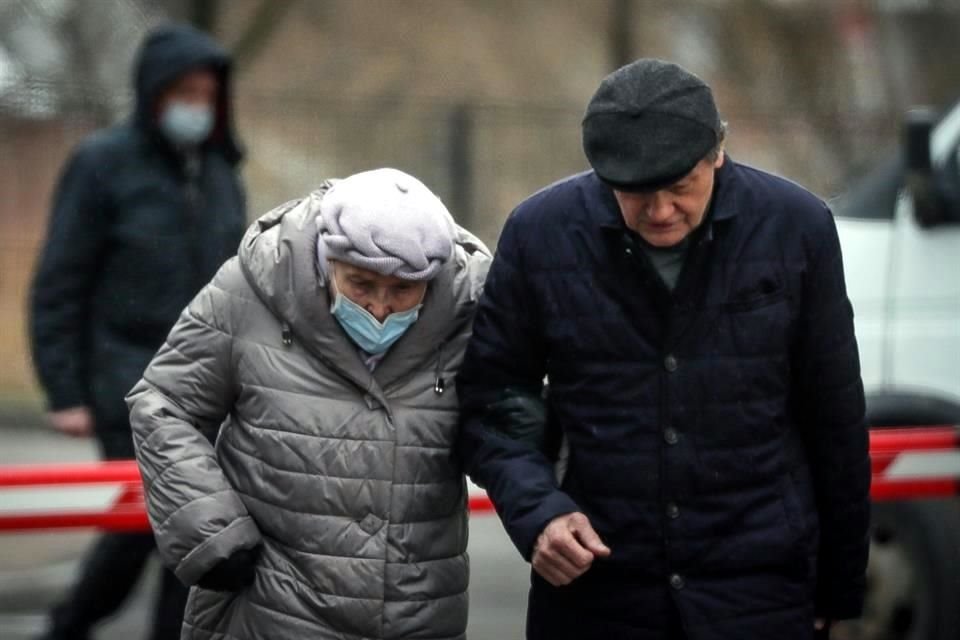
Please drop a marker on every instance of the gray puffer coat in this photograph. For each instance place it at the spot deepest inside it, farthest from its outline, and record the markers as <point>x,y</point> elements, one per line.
<point>344,476</point>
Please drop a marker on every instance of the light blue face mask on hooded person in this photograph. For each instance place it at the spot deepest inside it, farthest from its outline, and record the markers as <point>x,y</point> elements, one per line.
<point>186,124</point>
<point>368,333</point>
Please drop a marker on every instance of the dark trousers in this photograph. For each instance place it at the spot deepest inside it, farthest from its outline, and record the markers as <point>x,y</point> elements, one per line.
<point>111,570</point>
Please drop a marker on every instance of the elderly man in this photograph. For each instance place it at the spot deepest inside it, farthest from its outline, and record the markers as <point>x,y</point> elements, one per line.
<point>144,214</point>
<point>690,315</point>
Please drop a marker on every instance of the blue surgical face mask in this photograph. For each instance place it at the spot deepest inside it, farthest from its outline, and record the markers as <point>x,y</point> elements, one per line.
<point>186,124</point>
<point>367,332</point>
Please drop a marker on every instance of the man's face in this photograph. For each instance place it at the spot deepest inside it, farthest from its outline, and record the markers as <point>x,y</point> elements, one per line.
<point>196,88</point>
<point>663,218</point>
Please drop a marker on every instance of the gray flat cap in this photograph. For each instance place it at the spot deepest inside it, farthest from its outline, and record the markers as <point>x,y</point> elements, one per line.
<point>649,124</point>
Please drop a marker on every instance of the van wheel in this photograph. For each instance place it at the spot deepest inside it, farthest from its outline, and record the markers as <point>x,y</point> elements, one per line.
<point>913,578</point>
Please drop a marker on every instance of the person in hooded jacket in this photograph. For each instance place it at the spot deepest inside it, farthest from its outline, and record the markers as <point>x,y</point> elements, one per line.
<point>144,214</point>
<point>324,358</point>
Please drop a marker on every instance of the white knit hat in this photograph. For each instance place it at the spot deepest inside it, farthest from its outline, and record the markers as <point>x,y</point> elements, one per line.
<point>385,221</point>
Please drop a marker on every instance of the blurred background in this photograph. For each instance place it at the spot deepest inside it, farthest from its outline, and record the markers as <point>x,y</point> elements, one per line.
<point>481,99</point>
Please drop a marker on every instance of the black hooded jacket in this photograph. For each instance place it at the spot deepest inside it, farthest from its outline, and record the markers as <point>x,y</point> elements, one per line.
<point>133,235</point>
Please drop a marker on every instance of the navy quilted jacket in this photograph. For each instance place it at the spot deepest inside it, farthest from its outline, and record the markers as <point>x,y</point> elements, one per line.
<point>716,434</point>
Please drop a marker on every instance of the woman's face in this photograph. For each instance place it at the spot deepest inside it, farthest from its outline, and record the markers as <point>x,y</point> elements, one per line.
<point>380,295</point>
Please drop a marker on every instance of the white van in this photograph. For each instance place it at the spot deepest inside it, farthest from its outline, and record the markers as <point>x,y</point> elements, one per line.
<point>900,232</point>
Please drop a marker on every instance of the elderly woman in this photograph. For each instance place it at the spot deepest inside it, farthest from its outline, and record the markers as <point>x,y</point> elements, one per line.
<point>322,359</point>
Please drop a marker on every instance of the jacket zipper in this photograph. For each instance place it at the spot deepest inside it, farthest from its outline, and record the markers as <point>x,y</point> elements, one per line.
<point>286,335</point>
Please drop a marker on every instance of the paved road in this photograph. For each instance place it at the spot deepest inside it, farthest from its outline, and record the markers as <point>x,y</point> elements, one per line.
<point>35,568</point>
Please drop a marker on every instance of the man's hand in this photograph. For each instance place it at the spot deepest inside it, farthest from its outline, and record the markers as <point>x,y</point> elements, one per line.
<point>821,628</point>
<point>566,549</point>
<point>76,422</point>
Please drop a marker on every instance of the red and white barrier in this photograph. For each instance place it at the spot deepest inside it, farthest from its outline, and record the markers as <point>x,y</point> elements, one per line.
<point>907,463</point>
<point>917,462</point>
<point>104,495</point>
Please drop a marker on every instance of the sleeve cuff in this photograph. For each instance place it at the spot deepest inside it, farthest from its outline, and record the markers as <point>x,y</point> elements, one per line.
<point>58,400</point>
<point>839,606</point>
<point>240,534</point>
<point>527,529</point>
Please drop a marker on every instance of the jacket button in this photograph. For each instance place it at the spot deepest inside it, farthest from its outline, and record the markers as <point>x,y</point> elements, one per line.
<point>676,581</point>
<point>670,436</point>
<point>670,363</point>
<point>370,524</point>
<point>673,511</point>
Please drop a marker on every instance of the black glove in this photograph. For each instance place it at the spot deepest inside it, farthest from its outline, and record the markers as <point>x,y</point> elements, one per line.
<point>519,414</point>
<point>236,573</point>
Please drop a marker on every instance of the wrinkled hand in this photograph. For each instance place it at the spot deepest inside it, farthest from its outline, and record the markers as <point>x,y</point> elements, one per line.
<point>566,549</point>
<point>76,422</point>
<point>236,573</point>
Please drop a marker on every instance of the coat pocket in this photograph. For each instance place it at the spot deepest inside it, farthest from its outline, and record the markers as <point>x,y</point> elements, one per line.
<point>756,321</point>
<point>210,612</point>
<point>762,292</point>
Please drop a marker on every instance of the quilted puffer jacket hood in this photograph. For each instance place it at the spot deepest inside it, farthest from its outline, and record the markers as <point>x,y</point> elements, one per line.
<point>278,258</point>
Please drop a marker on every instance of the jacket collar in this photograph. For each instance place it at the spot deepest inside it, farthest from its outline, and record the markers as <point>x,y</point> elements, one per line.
<point>725,204</point>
